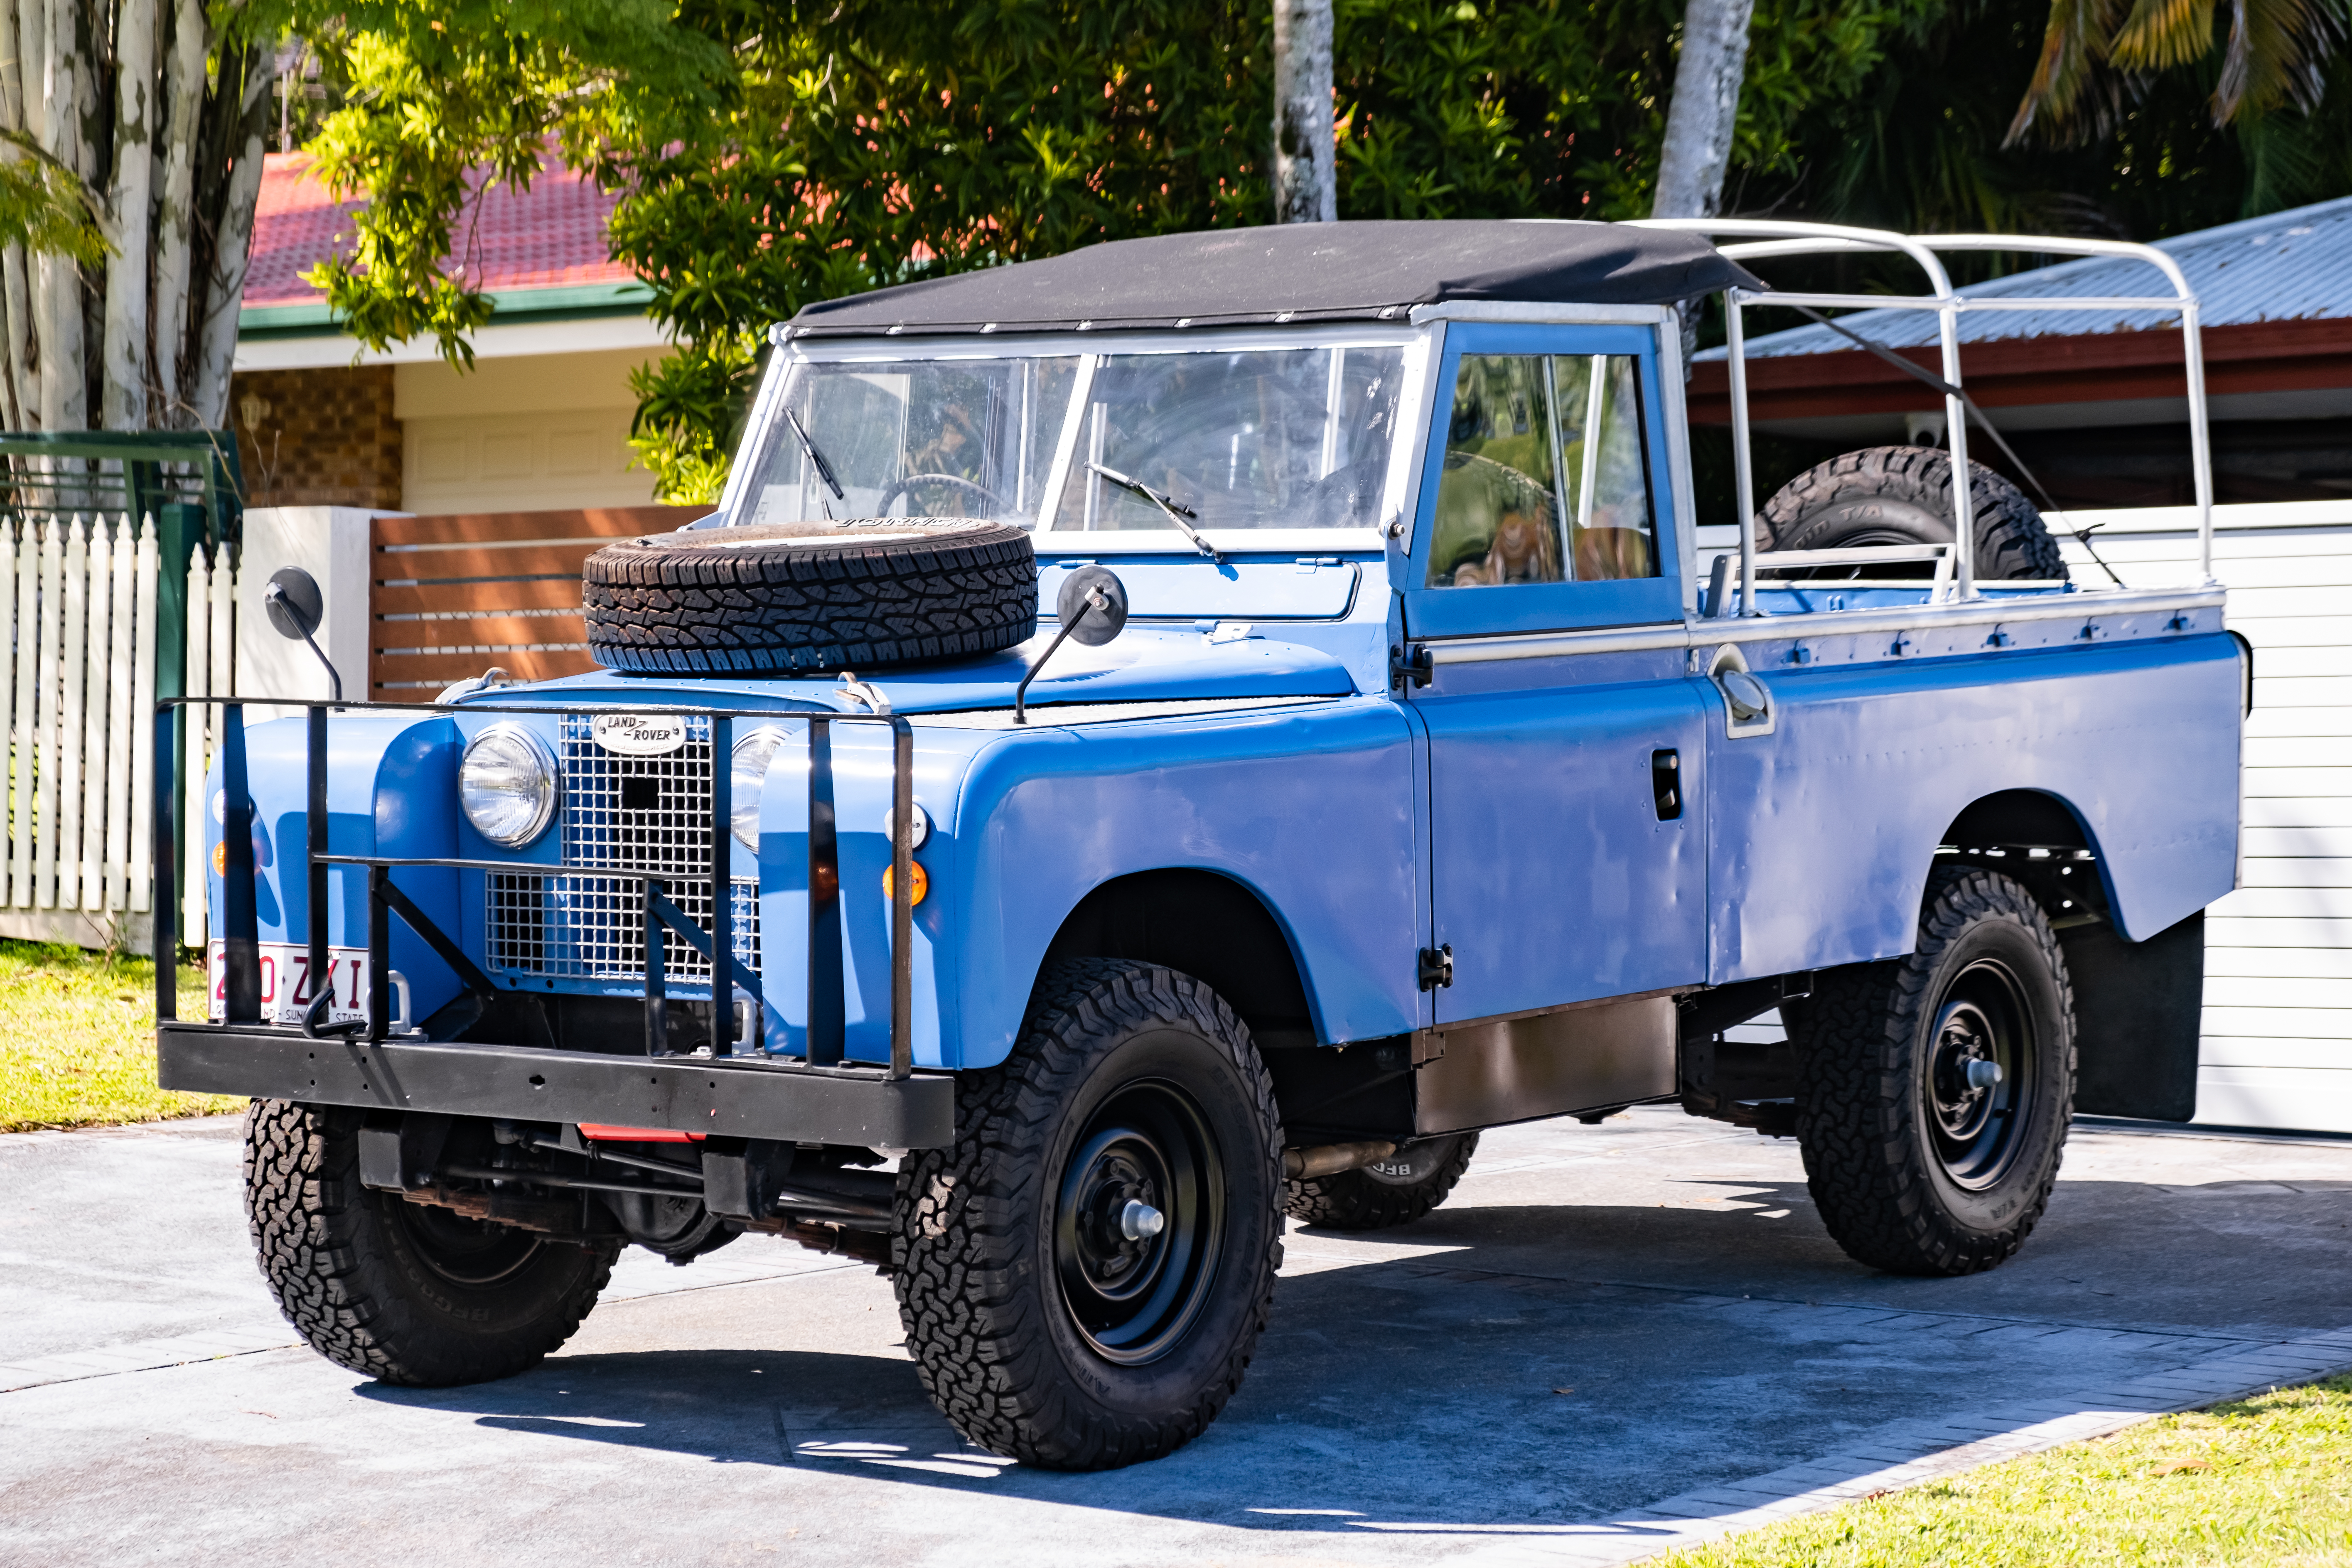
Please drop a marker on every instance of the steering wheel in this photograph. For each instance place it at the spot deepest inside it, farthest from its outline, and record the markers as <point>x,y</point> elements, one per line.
<point>996,503</point>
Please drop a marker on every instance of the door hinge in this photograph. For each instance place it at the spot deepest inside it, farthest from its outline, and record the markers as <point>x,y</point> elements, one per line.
<point>1437,967</point>
<point>1413,666</point>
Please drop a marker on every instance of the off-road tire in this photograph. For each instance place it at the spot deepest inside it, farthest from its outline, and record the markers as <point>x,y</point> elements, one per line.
<point>1902,495</point>
<point>345,1264</point>
<point>785,597</point>
<point>994,1335</point>
<point>1374,1197</point>
<point>1866,1046</point>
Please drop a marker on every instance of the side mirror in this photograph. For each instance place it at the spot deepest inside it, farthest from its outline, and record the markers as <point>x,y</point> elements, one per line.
<point>295,606</point>
<point>1092,606</point>
<point>294,603</point>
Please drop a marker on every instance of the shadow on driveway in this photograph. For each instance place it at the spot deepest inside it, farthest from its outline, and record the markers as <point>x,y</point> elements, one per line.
<point>1533,1367</point>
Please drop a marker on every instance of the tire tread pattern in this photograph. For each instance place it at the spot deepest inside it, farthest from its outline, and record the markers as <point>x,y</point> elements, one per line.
<point>1855,1116</point>
<point>1350,1200</point>
<point>2013,542</point>
<point>679,606</point>
<point>321,1252</point>
<point>965,1299</point>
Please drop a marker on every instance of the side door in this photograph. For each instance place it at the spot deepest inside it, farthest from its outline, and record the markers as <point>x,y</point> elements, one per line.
<point>1567,847</point>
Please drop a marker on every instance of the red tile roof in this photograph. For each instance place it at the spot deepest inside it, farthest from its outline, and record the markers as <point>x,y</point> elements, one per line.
<point>552,236</point>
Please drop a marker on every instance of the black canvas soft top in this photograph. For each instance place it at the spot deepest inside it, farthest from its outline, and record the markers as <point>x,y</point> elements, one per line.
<point>1297,272</point>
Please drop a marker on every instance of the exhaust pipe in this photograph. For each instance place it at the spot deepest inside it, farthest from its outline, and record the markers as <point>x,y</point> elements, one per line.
<point>1330,1159</point>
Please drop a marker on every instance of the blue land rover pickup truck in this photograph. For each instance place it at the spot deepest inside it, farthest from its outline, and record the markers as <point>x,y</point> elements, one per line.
<point>1190,731</point>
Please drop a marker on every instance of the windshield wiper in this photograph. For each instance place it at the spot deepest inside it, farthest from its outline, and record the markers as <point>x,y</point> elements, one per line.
<point>1176,511</point>
<point>816,461</point>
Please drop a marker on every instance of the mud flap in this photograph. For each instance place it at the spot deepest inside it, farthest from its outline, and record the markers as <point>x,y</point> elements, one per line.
<point>2139,1009</point>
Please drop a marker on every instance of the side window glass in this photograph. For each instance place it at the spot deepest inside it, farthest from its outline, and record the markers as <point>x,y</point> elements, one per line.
<point>1497,495</point>
<point>1545,476</point>
<point>1612,532</point>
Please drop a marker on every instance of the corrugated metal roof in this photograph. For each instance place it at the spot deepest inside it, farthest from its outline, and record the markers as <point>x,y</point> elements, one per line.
<point>2289,267</point>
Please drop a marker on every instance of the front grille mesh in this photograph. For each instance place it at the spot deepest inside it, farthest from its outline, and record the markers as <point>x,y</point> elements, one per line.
<point>629,818</point>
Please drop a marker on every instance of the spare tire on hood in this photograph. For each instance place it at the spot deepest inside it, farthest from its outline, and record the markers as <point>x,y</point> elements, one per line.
<point>789,597</point>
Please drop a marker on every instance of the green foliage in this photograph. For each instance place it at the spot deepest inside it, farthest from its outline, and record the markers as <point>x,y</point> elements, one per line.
<point>441,98</point>
<point>842,148</point>
<point>769,154</point>
<point>44,207</point>
<point>1556,108</point>
<point>1924,145</point>
<point>891,143</point>
<point>2096,54</point>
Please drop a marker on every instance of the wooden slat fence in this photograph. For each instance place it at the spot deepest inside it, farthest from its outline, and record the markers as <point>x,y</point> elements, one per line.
<point>450,596</point>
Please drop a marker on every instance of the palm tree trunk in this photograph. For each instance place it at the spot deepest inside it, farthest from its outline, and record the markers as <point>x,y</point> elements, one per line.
<point>1706,107</point>
<point>1306,180</point>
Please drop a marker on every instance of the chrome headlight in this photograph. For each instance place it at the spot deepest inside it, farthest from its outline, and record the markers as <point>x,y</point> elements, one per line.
<point>508,785</point>
<point>754,751</point>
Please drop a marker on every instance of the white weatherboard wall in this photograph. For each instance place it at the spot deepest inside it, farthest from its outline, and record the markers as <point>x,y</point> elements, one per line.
<point>2278,956</point>
<point>2277,1049</point>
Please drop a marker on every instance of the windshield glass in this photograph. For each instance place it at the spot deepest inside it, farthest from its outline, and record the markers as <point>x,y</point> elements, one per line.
<point>913,439</point>
<point>1252,438</point>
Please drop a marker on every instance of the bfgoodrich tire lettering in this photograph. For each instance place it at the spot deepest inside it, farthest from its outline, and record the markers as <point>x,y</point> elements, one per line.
<point>1040,1328</point>
<point>776,598</point>
<point>1395,1192</point>
<point>386,1287</point>
<point>1920,1162</point>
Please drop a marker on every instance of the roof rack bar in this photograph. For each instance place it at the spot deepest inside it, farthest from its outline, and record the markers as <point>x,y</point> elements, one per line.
<point>1765,237</point>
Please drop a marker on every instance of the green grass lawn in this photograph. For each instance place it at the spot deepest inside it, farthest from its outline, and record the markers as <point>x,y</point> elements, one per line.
<point>2264,1481</point>
<point>77,1039</point>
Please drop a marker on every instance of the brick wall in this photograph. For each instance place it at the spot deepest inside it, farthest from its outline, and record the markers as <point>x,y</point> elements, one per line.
<point>317,438</point>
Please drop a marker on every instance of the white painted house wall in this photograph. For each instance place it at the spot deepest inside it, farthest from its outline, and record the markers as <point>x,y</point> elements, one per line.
<point>2277,1048</point>
<point>2278,958</point>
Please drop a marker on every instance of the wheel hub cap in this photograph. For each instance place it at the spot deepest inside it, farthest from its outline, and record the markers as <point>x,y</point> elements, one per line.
<point>1979,1078</point>
<point>1139,1223</point>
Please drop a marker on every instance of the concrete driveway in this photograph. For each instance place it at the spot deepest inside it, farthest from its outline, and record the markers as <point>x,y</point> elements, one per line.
<point>1614,1340</point>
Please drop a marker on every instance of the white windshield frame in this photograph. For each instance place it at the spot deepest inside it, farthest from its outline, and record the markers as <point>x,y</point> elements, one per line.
<point>1091,349</point>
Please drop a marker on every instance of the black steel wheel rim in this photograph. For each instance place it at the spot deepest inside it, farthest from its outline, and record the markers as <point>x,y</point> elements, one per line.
<point>1975,1126</point>
<point>1133,1298</point>
<point>469,1252</point>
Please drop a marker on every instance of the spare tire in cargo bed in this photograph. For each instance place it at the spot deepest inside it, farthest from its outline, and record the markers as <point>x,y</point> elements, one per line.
<point>782,597</point>
<point>1902,495</point>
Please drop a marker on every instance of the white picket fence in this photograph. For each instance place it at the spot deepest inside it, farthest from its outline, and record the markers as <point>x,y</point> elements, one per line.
<point>77,702</point>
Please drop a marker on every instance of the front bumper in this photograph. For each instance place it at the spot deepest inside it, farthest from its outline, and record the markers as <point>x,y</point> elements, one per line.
<point>737,1099</point>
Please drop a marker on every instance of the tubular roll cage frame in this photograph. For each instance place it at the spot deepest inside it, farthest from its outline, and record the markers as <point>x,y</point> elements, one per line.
<point>238,920</point>
<point>1773,237</point>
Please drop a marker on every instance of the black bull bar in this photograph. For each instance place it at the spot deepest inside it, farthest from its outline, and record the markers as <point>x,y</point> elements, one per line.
<point>822,1097</point>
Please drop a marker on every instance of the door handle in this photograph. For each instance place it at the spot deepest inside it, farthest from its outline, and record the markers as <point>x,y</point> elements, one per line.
<point>1667,784</point>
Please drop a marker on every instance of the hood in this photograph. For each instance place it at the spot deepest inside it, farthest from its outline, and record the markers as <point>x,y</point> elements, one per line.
<point>1147,664</point>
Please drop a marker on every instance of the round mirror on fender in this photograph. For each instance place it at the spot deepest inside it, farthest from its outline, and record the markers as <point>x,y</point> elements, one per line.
<point>294,603</point>
<point>1092,606</point>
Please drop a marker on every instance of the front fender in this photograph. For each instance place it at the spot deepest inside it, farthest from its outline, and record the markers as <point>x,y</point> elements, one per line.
<point>1309,807</point>
<point>390,790</point>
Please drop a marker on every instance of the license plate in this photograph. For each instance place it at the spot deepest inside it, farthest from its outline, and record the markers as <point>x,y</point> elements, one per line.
<point>288,984</point>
